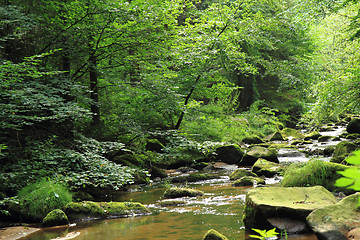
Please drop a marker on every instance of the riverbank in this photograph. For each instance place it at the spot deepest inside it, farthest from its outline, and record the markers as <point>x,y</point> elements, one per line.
<point>18,232</point>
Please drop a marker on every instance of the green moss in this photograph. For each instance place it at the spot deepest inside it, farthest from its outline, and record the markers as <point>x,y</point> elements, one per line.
<point>84,210</point>
<point>257,152</point>
<point>154,145</point>
<point>300,142</point>
<point>344,149</point>
<point>231,154</point>
<point>214,235</point>
<point>82,196</point>
<point>266,168</point>
<point>239,173</point>
<point>248,181</point>
<point>290,132</point>
<point>123,208</point>
<point>170,203</point>
<point>312,135</point>
<point>55,218</point>
<point>252,140</point>
<point>182,192</point>
<point>312,173</point>
<point>276,136</point>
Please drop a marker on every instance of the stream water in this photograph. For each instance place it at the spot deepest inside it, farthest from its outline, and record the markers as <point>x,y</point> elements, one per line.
<point>220,208</point>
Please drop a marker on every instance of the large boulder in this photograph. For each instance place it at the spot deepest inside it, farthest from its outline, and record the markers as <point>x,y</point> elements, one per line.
<point>266,168</point>
<point>231,154</point>
<point>252,140</point>
<point>334,221</point>
<point>55,218</point>
<point>353,126</point>
<point>294,203</point>
<point>257,152</point>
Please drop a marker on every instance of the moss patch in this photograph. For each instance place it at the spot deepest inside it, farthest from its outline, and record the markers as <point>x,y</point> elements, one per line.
<point>182,192</point>
<point>239,173</point>
<point>84,210</point>
<point>120,209</point>
<point>344,149</point>
<point>312,135</point>
<point>312,173</point>
<point>290,132</point>
<point>55,218</point>
<point>214,235</point>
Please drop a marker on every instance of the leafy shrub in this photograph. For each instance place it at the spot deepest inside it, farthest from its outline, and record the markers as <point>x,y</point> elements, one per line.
<point>42,197</point>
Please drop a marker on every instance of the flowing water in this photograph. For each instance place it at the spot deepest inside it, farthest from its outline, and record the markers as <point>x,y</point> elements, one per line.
<point>220,208</point>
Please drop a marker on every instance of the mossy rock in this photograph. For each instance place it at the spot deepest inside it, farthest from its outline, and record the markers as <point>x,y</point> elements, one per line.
<point>313,173</point>
<point>200,165</point>
<point>123,209</point>
<point>262,167</point>
<point>193,177</point>
<point>344,148</point>
<point>325,138</point>
<point>290,132</point>
<point>338,159</point>
<point>231,154</point>
<point>154,145</point>
<point>257,152</point>
<point>239,173</point>
<point>56,217</point>
<point>300,142</point>
<point>128,160</point>
<point>353,136</point>
<point>312,135</point>
<point>329,150</point>
<point>252,140</point>
<point>248,181</point>
<point>353,126</point>
<point>279,202</point>
<point>157,173</point>
<point>77,211</point>
<point>334,221</point>
<point>82,196</point>
<point>214,235</point>
<point>182,192</point>
<point>276,136</point>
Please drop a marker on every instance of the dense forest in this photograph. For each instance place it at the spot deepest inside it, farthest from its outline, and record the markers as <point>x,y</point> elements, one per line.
<point>100,94</point>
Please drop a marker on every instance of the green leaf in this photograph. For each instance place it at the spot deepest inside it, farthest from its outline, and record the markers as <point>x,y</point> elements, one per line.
<point>343,182</point>
<point>354,158</point>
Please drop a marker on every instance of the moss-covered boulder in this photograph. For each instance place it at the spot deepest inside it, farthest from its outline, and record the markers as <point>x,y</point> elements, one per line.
<point>182,192</point>
<point>56,217</point>
<point>313,173</point>
<point>353,126</point>
<point>231,154</point>
<point>257,152</point>
<point>248,181</point>
<point>276,136</point>
<point>154,145</point>
<point>123,209</point>
<point>263,167</point>
<point>252,140</point>
<point>279,202</point>
<point>77,211</point>
<point>334,221</point>
<point>239,173</point>
<point>329,150</point>
<point>344,149</point>
<point>312,135</point>
<point>214,235</point>
<point>290,132</point>
<point>325,138</point>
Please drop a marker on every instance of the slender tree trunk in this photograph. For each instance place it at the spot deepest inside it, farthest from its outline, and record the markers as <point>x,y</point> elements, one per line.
<point>94,96</point>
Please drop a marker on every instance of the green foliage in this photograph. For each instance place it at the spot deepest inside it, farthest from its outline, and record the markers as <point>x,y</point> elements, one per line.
<point>42,197</point>
<point>264,234</point>
<point>351,176</point>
